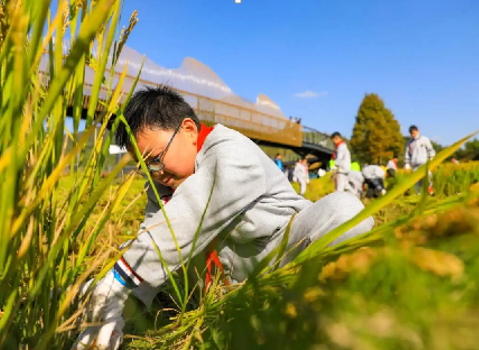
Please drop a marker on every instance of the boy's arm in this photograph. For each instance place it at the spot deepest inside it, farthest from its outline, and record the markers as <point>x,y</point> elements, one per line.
<point>431,152</point>
<point>236,179</point>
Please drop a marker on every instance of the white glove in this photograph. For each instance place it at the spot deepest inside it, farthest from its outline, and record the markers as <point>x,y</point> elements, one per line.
<point>407,166</point>
<point>105,306</point>
<point>334,168</point>
<point>108,337</point>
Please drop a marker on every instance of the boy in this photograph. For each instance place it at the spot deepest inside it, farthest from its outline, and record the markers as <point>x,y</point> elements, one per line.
<point>391,170</point>
<point>342,159</point>
<point>301,176</point>
<point>418,151</point>
<point>250,205</point>
<point>392,167</point>
<point>374,178</point>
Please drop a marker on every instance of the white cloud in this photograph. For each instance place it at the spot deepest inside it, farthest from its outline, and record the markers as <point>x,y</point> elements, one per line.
<point>311,94</point>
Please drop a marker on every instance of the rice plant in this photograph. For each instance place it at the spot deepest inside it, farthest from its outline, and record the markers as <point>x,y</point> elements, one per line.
<point>45,252</point>
<point>329,297</point>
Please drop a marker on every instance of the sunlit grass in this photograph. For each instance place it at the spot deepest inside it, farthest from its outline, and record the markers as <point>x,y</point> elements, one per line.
<point>414,283</point>
<point>46,244</point>
<point>413,286</point>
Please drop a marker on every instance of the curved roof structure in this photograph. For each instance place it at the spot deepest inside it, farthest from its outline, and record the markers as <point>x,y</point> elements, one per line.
<point>211,98</point>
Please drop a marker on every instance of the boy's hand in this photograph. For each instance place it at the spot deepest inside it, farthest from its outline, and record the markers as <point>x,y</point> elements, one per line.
<point>107,337</point>
<point>104,308</point>
<point>407,166</point>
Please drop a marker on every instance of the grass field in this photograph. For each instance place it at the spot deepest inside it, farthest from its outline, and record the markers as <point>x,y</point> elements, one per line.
<point>411,283</point>
<point>415,287</point>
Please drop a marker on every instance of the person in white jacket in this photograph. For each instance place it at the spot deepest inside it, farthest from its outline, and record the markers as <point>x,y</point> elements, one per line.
<point>227,202</point>
<point>374,177</point>
<point>392,167</point>
<point>418,151</point>
<point>301,176</point>
<point>306,168</point>
<point>342,159</point>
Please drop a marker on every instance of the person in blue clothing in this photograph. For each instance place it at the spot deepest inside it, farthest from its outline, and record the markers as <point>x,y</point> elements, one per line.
<point>278,161</point>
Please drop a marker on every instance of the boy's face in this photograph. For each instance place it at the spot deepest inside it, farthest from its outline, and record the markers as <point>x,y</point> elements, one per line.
<point>414,133</point>
<point>336,140</point>
<point>179,158</point>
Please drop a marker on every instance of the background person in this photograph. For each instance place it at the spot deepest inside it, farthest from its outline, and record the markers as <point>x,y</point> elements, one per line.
<point>355,166</point>
<point>278,161</point>
<point>391,170</point>
<point>306,167</point>
<point>374,179</point>
<point>342,159</point>
<point>418,151</point>
<point>392,167</point>
<point>301,176</point>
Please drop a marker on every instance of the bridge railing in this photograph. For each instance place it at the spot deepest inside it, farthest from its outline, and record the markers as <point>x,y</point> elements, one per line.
<point>250,122</point>
<point>316,137</point>
<point>254,124</point>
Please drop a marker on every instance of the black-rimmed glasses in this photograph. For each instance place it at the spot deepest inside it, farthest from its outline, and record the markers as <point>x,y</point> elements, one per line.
<point>156,165</point>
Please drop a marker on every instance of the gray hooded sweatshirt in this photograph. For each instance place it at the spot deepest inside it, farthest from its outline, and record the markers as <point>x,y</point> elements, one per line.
<point>249,208</point>
<point>418,151</point>
<point>249,203</point>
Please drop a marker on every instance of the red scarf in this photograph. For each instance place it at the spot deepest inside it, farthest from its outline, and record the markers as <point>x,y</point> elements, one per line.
<point>333,157</point>
<point>202,135</point>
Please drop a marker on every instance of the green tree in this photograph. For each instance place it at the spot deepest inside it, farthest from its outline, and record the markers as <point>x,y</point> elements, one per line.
<point>470,151</point>
<point>376,134</point>
<point>437,146</point>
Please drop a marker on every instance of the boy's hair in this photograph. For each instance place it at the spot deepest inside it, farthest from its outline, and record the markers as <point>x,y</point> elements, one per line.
<point>413,128</point>
<point>277,155</point>
<point>335,134</point>
<point>160,107</point>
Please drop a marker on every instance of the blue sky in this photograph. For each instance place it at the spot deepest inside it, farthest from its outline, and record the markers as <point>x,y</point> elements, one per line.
<point>421,57</point>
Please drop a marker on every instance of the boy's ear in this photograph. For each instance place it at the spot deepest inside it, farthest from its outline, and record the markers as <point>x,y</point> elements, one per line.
<point>189,127</point>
